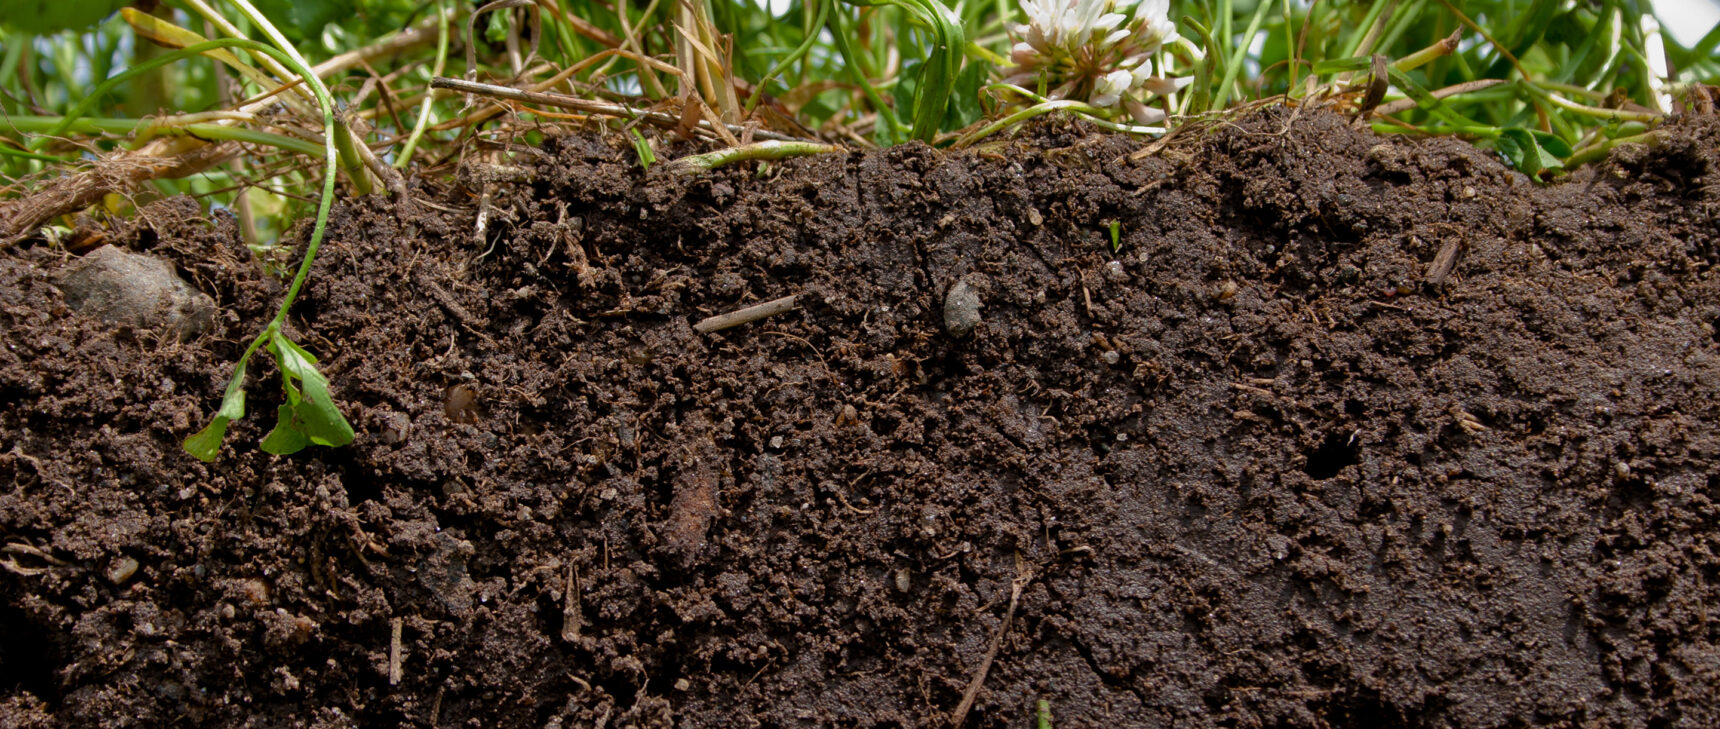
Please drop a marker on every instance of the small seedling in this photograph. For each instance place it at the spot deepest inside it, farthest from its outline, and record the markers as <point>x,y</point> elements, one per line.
<point>1116,227</point>
<point>308,416</point>
<point>1043,714</point>
<point>642,147</point>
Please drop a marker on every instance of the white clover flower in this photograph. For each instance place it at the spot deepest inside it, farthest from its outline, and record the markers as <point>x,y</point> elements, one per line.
<point>1110,89</point>
<point>1098,51</point>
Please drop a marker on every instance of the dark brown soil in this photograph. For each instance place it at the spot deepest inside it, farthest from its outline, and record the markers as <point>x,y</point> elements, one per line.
<point>1265,465</point>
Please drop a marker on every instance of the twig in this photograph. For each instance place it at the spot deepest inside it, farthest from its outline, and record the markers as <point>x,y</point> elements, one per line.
<point>746,316</point>
<point>1444,262</point>
<point>394,658</point>
<point>1023,575</point>
<point>572,619</point>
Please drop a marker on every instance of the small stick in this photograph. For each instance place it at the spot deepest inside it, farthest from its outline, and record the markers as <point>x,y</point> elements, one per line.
<point>1023,575</point>
<point>1444,262</point>
<point>746,316</point>
<point>572,619</point>
<point>394,658</point>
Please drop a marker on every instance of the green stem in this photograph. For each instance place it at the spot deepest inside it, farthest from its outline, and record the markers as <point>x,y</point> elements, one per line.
<point>84,105</point>
<point>326,101</point>
<point>351,162</point>
<point>169,126</point>
<point>1091,113</point>
<point>1599,150</point>
<point>1236,63</point>
<point>404,157</point>
<point>1589,111</point>
<point>942,64</point>
<point>768,150</point>
<point>851,66</point>
<point>6,151</point>
<point>793,57</point>
<point>1290,48</point>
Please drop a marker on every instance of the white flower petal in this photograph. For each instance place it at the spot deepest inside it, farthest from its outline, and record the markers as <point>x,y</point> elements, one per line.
<point>1143,114</point>
<point>1162,85</point>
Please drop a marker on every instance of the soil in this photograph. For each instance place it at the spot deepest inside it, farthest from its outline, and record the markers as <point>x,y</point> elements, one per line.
<point>1344,431</point>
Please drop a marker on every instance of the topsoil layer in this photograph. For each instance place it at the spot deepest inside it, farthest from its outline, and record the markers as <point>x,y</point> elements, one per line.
<point>1344,431</point>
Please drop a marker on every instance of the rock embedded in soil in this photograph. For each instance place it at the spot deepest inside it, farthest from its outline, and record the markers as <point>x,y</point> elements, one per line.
<point>136,290</point>
<point>961,310</point>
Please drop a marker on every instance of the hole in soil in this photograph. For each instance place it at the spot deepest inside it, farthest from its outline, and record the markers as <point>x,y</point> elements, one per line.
<point>1334,454</point>
<point>29,661</point>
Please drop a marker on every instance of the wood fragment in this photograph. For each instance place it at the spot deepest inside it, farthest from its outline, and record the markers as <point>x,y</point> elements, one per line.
<point>452,305</point>
<point>1256,390</point>
<point>694,504</point>
<point>395,672</point>
<point>1023,576</point>
<point>748,315</point>
<point>1444,262</point>
<point>572,617</point>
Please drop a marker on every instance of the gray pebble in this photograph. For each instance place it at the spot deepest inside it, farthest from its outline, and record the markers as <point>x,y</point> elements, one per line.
<point>136,290</point>
<point>961,310</point>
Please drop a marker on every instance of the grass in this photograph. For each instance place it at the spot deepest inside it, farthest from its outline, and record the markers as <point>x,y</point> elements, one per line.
<point>409,84</point>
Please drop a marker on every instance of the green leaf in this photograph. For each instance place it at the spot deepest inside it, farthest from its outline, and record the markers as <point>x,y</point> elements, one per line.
<point>643,149</point>
<point>288,436</point>
<point>907,84</point>
<point>1532,152</point>
<point>206,443</point>
<point>309,415</point>
<point>965,106</point>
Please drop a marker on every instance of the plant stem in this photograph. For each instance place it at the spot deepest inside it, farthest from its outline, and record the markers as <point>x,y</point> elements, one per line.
<point>793,57</point>
<point>1599,150</point>
<point>55,125</point>
<point>1236,63</point>
<point>404,157</point>
<point>355,167</point>
<point>851,66</point>
<point>769,150</point>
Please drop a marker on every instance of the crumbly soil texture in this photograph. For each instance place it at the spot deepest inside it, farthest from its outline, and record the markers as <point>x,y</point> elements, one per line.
<point>1280,424</point>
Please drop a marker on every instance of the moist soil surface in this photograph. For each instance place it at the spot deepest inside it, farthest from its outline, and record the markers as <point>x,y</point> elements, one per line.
<point>1341,431</point>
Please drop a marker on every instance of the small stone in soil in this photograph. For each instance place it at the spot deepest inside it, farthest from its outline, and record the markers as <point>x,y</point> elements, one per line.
<point>961,310</point>
<point>122,570</point>
<point>136,290</point>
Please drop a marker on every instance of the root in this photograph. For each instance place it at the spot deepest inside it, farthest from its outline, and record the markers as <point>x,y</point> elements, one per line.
<point>19,219</point>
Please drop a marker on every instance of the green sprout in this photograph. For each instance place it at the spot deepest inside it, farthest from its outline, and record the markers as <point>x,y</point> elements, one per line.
<point>309,415</point>
<point>1116,227</point>
<point>642,148</point>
